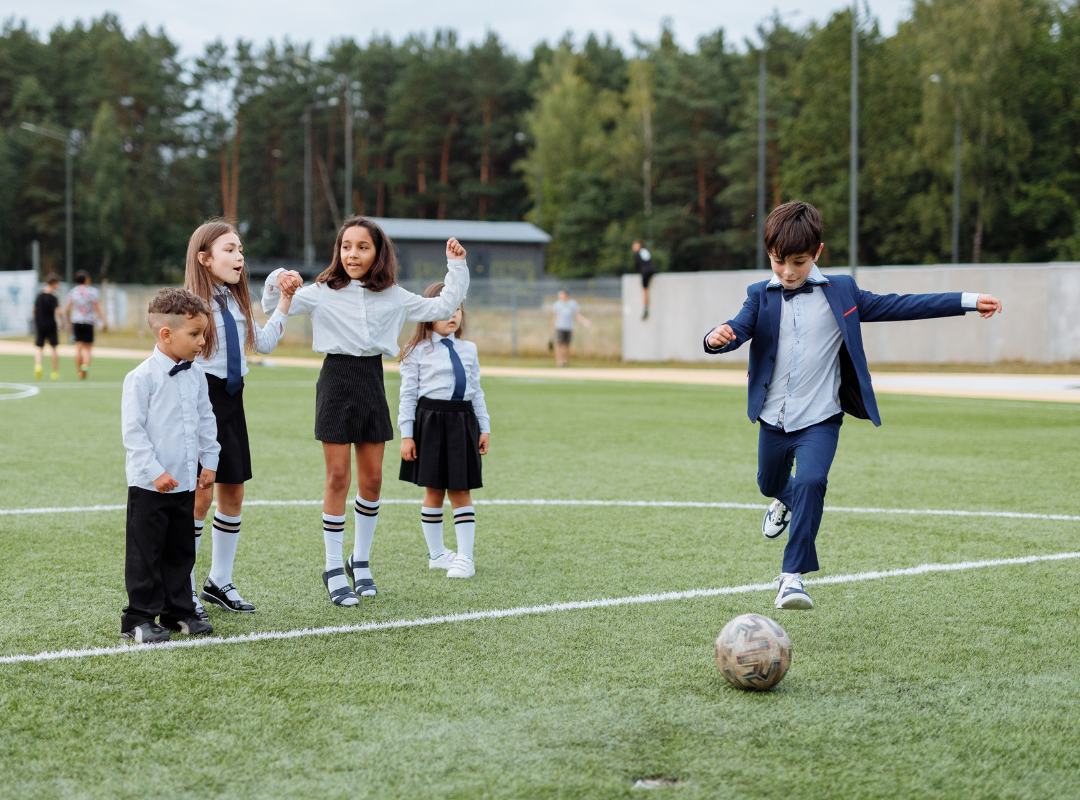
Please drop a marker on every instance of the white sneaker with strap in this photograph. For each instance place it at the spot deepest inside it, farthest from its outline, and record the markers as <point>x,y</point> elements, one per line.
<point>463,567</point>
<point>776,520</point>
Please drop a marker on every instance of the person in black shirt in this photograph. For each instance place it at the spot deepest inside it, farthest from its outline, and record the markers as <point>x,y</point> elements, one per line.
<point>643,264</point>
<point>45,307</point>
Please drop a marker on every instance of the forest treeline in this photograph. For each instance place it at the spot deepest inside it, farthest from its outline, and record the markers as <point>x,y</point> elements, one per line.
<point>578,138</point>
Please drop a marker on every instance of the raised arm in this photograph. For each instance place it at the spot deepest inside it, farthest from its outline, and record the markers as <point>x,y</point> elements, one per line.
<point>737,331</point>
<point>303,301</point>
<point>433,309</point>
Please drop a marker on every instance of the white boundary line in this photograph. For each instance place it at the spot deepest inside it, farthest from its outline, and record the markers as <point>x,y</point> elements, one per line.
<point>601,503</point>
<point>521,611</point>
<point>27,391</point>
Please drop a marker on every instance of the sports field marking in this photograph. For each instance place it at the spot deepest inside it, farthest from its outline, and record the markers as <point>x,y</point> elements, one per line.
<point>21,390</point>
<point>617,503</point>
<point>522,611</point>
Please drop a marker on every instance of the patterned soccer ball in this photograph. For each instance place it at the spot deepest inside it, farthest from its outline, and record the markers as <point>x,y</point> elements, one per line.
<point>753,652</point>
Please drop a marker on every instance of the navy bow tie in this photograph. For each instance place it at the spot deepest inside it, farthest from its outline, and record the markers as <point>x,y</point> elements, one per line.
<point>806,288</point>
<point>180,368</point>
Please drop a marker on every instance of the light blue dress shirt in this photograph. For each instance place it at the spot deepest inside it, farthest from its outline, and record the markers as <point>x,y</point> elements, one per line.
<point>428,372</point>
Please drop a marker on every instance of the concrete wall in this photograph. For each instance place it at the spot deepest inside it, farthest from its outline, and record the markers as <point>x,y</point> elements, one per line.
<point>1040,322</point>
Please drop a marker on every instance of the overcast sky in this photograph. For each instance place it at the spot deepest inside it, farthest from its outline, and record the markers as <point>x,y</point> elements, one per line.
<point>519,23</point>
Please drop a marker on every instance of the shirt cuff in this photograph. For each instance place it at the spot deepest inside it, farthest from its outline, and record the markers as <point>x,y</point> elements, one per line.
<point>278,316</point>
<point>485,427</point>
<point>209,462</point>
<point>456,262</point>
<point>969,301</point>
<point>154,471</point>
<point>406,429</point>
<point>708,347</point>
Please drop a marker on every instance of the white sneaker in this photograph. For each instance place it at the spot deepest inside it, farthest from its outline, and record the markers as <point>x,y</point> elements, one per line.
<point>792,595</point>
<point>463,567</point>
<point>445,561</point>
<point>776,520</point>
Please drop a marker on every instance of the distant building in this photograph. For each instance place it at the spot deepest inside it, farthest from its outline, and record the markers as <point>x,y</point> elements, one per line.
<point>496,249</point>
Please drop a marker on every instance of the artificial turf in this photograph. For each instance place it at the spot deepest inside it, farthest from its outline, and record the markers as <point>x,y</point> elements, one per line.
<point>960,684</point>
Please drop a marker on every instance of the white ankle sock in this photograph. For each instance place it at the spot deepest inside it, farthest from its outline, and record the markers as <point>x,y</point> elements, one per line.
<point>465,528</point>
<point>226,537</point>
<point>333,528</point>
<point>198,538</point>
<point>367,517</point>
<point>431,522</point>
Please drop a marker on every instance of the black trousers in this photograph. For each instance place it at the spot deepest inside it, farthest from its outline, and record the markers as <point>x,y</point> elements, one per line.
<point>160,556</point>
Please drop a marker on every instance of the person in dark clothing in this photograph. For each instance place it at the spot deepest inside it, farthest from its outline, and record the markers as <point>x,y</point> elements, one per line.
<point>644,265</point>
<point>45,308</point>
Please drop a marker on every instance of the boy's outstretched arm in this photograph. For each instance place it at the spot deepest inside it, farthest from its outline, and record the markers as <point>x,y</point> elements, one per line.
<point>898,307</point>
<point>736,332</point>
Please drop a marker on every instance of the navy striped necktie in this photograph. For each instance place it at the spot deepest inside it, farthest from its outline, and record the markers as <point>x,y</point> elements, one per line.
<point>459,370</point>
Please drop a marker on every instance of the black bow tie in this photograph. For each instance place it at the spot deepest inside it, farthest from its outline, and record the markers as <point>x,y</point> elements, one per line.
<point>806,288</point>
<point>180,368</point>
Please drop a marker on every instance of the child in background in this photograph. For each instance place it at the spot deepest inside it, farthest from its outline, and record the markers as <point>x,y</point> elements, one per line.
<point>215,273</point>
<point>807,369</point>
<point>83,311</point>
<point>168,428</point>
<point>565,311</point>
<point>445,429</point>
<point>46,307</point>
<point>357,312</point>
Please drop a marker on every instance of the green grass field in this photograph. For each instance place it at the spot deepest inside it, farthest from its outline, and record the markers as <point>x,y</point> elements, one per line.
<point>959,684</point>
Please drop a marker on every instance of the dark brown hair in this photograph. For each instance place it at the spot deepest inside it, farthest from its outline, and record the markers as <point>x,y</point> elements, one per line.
<point>177,303</point>
<point>199,281</point>
<point>423,329</point>
<point>792,229</point>
<point>52,278</point>
<point>82,276</point>
<point>383,271</point>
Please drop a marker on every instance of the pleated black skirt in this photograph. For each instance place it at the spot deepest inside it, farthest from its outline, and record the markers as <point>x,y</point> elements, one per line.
<point>234,463</point>
<point>447,436</point>
<point>350,401</point>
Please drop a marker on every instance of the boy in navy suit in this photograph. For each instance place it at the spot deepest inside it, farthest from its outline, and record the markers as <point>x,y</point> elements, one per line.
<point>807,369</point>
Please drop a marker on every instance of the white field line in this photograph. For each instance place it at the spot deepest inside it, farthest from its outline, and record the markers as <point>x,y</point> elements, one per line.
<point>21,390</point>
<point>601,503</point>
<point>522,611</point>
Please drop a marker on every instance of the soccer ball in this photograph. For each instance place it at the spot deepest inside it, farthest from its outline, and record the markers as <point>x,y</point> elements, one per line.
<point>753,652</point>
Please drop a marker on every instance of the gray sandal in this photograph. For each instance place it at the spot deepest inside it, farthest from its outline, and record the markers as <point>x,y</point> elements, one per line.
<point>365,587</point>
<point>341,595</point>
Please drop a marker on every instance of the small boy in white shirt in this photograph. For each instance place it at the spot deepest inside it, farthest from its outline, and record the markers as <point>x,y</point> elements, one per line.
<point>170,434</point>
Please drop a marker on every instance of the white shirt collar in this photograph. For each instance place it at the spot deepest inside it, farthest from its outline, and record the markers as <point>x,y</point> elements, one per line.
<point>815,277</point>
<point>436,337</point>
<point>163,360</point>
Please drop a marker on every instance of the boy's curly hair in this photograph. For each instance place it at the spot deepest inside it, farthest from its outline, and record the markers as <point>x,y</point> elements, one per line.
<point>178,303</point>
<point>792,229</point>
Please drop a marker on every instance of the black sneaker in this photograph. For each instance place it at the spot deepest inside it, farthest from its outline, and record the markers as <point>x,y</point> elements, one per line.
<point>147,633</point>
<point>192,626</point>
<point>213,594</point>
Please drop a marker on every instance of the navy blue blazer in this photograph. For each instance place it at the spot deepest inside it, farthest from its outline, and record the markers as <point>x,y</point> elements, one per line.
<point>759,322</point>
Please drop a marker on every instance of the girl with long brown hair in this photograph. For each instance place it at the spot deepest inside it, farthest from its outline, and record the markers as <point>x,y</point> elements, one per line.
<point>445,429</point>
<point>215,272</point>
<point>357,312</point>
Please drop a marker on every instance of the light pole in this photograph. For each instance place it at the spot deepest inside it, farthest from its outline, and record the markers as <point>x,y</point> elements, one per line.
<point>957,148</point>
<point>309,246</point>
<point>761,158</point>
<point>348,88</point>
<point>69,215</point>
<point>853,198</point>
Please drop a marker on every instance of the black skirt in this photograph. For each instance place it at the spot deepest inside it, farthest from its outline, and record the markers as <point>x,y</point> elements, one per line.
<point>234,463</point>
<point>447,436</point>
<point>350,401</point>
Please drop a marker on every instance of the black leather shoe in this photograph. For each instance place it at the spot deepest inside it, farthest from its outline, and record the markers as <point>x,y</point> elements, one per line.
<point>192,626</point>
<point>147,633</point>
<point>213,594</point>
<point>200,612</point>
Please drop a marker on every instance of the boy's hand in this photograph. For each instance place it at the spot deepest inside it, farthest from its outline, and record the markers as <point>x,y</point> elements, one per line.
<point>289,282</point>
<point>454,250</point>
<point>988,305</point>
<point>207,478</point>
<point>484,437</point>
<point>722,336</point>
<point>408,449</point>
<point>165,483</point>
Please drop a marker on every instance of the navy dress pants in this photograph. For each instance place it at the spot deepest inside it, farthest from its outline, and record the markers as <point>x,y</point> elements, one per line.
<point>811,450</point>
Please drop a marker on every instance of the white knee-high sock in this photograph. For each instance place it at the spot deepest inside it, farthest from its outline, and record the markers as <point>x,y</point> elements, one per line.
<point>367,517</point>
<point>333,528</point>
<point>226,538</point>
<point>198,538</point>
<point>465,528</point>
<point>431,523</point>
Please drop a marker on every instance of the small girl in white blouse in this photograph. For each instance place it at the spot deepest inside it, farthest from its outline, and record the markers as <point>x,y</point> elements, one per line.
<point>445,429</point>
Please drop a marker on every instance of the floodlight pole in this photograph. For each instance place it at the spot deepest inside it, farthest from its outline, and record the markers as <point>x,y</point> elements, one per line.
<point>853,200</point>
<point>761,158</point>
<point>347,205</point>
<point>69,203</point>
<point>309,246</point>
<point>957,145</point>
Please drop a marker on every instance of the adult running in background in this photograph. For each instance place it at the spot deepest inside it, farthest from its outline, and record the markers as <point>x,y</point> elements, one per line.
<point>562,326</point>
<point>643,263</point>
